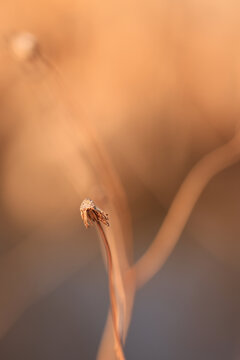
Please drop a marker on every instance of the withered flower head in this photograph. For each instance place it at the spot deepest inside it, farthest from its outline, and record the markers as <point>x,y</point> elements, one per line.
<point>89,212</point>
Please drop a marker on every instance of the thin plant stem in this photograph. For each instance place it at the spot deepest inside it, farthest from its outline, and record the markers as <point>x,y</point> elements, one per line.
<point>182,206</point>
<point>113,300</point>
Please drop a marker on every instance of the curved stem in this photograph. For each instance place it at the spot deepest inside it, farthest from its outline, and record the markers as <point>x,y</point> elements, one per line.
<point>113,300</point>
<point>182,206</point>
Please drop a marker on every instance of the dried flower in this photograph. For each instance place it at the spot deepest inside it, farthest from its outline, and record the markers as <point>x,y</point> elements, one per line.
<point>91,213</point>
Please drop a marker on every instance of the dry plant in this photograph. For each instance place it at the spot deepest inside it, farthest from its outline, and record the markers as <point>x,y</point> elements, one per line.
<point>90,212</point>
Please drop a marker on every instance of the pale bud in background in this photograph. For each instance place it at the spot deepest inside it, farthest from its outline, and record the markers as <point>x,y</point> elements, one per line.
<point>23,45</point>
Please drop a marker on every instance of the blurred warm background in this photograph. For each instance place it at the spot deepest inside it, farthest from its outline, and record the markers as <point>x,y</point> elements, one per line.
<point>158,84</point>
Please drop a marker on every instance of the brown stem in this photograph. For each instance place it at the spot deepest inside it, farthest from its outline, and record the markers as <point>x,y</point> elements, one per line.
<point>113,300</point>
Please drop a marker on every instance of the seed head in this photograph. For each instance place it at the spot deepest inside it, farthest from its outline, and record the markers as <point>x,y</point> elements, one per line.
<point>89,212</point>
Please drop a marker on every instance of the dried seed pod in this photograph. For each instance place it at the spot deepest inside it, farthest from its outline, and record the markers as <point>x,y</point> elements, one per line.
<point>91,213</point>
